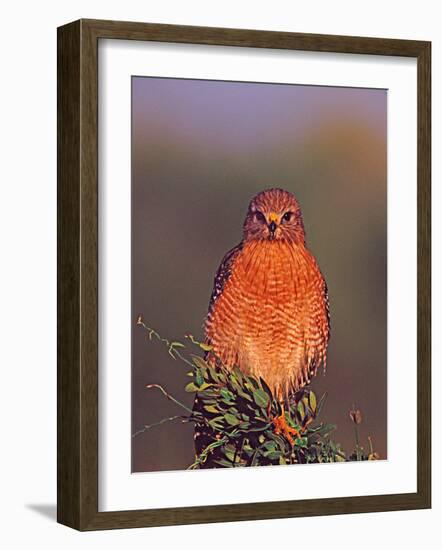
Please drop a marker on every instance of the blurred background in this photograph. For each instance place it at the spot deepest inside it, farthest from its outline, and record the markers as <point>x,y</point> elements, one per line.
<point>200,151</point>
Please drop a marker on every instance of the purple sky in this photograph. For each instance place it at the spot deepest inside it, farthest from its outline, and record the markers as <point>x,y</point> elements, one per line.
<point>249,116</point>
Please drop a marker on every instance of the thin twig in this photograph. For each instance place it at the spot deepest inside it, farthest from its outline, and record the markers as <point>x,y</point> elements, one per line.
<point>149,386</point>
<point>148,426</point>
<point>171,346</point>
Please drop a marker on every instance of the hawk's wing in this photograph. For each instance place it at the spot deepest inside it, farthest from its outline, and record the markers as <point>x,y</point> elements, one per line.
<point>204,435</point>
<point>223,274</point>
<point>317,334</point>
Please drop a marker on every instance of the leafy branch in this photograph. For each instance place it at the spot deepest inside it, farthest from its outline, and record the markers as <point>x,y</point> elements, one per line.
<point>235,417</point>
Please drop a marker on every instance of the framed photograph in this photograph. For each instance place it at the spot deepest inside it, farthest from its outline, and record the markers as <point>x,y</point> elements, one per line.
<point>243,274</point>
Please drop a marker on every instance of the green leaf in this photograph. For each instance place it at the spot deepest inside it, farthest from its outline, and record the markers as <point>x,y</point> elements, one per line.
<point>227,394</point>
<point>301,409</point>
<point>261,398</point>
<point>231,419</point>
<point>229,452</point>
<point>205,347</point>
<point>199,362</point>
<point>251,383</point>
<point>237,373</point>
<point>312,401</point>
<point>244,395</point>
<point>272,455</point>
<point>301,442</point>
<point>204,386</point>
<point>211,409</point>
<point>266,388</point>
<point>270,445</point>
<point>191,387</point>
<point>199,378</point>
<point>217,422</point>
<point>207,401</point>
<point>213,375</point>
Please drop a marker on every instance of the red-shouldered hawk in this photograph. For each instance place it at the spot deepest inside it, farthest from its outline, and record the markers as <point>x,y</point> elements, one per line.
<point>269,312</point>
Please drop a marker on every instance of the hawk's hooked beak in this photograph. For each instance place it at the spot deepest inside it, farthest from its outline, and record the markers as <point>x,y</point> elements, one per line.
<point>273,224</point>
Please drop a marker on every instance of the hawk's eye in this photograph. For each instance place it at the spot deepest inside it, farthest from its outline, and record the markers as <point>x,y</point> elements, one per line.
<point>287,217</point>
<point>260,216</point>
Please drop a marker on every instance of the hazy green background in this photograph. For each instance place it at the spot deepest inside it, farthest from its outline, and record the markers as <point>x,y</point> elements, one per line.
<point>200,151</point>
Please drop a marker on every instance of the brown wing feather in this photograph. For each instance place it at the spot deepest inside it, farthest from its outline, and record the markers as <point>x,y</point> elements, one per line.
<point>203,434</point>
<point>318,331</point>
<point>223,274</point>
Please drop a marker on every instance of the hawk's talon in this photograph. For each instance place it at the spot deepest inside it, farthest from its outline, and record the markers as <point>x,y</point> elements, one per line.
<point>282,427</point>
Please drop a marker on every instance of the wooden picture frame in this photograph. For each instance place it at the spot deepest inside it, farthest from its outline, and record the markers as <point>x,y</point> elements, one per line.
<point>78,274</point>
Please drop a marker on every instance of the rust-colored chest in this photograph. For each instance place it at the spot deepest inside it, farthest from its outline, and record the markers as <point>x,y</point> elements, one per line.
<point>271,315</point>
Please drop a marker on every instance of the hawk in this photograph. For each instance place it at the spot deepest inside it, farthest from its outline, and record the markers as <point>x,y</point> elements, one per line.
<point>269,313</point>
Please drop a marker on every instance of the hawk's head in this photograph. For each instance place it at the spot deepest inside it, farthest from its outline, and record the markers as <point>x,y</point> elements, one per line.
<point>274,214</point>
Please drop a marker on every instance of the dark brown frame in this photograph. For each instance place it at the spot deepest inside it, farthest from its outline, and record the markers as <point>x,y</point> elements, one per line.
<point>78,267</point>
